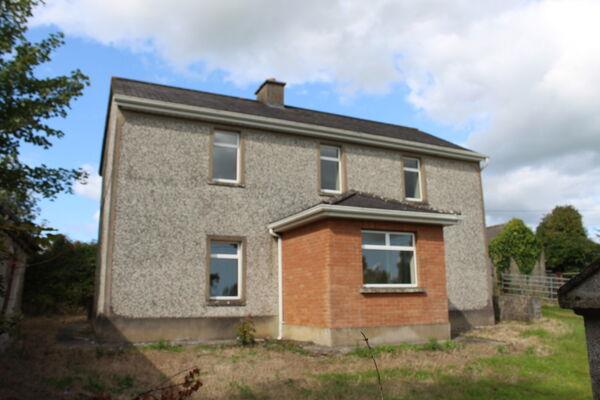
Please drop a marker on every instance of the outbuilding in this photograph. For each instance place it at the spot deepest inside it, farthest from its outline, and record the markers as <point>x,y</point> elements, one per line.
<point>582,295</point>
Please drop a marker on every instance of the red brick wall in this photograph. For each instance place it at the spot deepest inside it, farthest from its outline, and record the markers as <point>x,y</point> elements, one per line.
<point>305,275</point>
<point>322,275</point>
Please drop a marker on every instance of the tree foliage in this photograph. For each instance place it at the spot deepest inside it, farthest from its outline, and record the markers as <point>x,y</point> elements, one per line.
<point>27,102</point>
<point>565,241</point>
<point>515,242</point>
<point>60,278</point>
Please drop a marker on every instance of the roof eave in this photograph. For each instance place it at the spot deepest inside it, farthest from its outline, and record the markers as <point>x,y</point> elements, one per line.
<point>255,121</point>
<point>322,211</point>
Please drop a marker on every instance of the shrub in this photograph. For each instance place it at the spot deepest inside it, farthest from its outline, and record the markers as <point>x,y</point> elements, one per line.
<point>60,279</point>
<point>246,331</point>
<point>515,242</point>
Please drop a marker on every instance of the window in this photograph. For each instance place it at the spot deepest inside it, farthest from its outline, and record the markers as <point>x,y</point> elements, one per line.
<point>225,270</point>
<point>412,179</point>
<point>226,157</point>
<point>389,259</point>
<point>330,169</point>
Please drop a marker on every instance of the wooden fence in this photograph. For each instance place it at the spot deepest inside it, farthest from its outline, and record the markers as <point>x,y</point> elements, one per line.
<point>539,286</point>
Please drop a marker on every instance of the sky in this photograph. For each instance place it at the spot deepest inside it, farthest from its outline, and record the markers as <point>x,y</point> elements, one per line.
<point>515,80</point>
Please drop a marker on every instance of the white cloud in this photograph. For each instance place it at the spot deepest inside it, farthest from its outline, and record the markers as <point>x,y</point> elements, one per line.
<point>92,188</point>
<point>523,75</point>
<point>531,192</point>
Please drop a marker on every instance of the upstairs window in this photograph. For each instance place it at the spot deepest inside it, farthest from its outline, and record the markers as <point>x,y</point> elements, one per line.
<point>330,158</point>
<point>225,270</point>
<point>226,157</point>
<point>389,259</point>
<point>412,179</point>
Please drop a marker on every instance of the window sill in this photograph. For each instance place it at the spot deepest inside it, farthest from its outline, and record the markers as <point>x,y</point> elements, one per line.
<point>370,290</point>
<point>225,303</point>
<point>330,194</point>
<point>416,201</point>
<point>230,184</point>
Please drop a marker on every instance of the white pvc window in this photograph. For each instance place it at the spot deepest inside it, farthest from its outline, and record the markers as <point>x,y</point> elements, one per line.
<point>225,270</point>
<point>330,158</point>
<point>412,179</point>
<point>389,259</point>
<point>226,157</point>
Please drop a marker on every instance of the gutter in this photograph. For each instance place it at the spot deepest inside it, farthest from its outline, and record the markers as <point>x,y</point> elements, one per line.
<point>279,285</point>
<point>322,211</point>
<point>254,121</point>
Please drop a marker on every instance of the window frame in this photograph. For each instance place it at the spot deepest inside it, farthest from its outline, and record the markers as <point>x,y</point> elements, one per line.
<point>341,175</point>
<point>238,159</point>
<point>419,177</point>
<point>240,256</point>
<point>388,246</point>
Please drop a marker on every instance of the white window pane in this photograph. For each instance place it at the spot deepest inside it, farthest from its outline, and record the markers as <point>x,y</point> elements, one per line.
<point>224,163</point>
<point>373,238</point>
<point>412,186</point>
<point>330,175</point>
<point>401,239</point>
<point>226,138</point>
<point>330,151</point>
<point>223,248</point>
<point>411,163</point>
<point>223,277</point>
<point>388,267</point>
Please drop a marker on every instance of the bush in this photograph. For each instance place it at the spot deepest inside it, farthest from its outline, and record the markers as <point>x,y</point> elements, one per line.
<point>60,279</point>
<point>246,331</point>
<point>515,242</point>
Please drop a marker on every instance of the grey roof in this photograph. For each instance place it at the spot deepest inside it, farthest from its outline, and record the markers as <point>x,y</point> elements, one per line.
<point>492,231</point>
<point>578,279</point>
<point>189,97</point>
<point>354,198</point>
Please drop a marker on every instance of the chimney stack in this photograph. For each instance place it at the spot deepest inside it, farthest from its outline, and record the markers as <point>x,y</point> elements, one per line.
<point>271,93</point>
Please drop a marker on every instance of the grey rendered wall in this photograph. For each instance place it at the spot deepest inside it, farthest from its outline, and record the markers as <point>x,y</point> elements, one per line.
<point>165,208</point>
<point>454,185</point>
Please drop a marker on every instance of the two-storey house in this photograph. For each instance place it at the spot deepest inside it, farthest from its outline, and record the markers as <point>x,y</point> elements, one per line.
<point>317,225</point>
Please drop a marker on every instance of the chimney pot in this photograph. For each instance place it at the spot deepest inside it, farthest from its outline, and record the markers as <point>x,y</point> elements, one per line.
<point>271,92</point>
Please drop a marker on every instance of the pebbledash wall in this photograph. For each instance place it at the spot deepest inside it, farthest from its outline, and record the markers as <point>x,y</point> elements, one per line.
<point>158,208</point>
<point>323,296</point>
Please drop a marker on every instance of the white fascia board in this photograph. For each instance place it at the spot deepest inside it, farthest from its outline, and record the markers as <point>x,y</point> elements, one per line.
<point>322,211</point>
<point>281,125</point>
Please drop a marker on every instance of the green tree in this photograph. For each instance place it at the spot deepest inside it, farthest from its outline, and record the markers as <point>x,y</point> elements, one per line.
<point>27,102</point>
<point>61,277</point>
<point>565,241</point>
<point>515,242</point>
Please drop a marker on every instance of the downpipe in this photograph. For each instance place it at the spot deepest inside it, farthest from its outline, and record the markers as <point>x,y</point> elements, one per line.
<point>279,284</point>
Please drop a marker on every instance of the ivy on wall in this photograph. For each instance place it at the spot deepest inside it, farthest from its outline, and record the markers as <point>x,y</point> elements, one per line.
<point>515,242</point>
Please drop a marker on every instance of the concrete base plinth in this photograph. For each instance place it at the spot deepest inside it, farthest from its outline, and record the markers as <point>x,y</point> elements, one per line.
<point>139,330</point>
<point>376,335</point>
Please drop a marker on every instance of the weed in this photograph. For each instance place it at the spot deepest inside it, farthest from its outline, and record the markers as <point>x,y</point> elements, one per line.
<point>246,392</point>
<point>246,331</point>
<point>94,385</point>
<point>122,383</point>
<point>502,349</point>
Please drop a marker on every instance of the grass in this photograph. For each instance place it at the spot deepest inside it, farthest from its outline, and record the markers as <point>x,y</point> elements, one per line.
<point>538,332</point>
<point>285,345</point>
<point>431,345</point>
<point>163,345</point>
<point>541,360</point>
<point>562,374</point>
<point>61,383</point>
